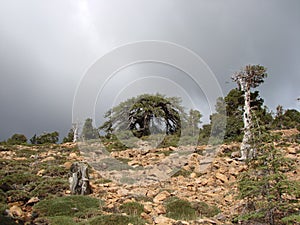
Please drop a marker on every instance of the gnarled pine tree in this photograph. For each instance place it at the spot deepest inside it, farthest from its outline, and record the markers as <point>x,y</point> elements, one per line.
<point>251,76</point>
<point>144,115</point>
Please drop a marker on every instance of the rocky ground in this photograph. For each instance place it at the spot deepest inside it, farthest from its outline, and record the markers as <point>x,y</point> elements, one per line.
<point>207,174</point>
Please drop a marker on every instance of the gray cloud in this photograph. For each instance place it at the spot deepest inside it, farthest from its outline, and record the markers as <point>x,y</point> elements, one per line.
<point>46,47</point>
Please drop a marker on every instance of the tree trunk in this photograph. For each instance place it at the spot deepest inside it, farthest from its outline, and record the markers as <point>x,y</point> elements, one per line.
<point>75,129</point>
<point>246,151</point>
<point>79,180</point>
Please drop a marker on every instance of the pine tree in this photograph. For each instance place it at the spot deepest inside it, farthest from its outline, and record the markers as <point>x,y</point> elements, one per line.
<point>251,76</point>
<point>270,197</point>
<point>88,131</point>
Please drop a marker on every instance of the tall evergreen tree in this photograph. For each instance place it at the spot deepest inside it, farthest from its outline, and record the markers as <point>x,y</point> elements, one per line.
<point>251,76</point>
<point>88,131</point>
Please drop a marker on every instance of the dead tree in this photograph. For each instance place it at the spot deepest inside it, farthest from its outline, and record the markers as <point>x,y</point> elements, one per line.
<point>79,179</point>
<point>251,76</point>
<point>75,130</point>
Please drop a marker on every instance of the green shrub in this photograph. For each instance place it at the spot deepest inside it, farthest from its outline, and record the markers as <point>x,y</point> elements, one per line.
<point>66,206</point>
<point>50,186</point>
<point>116,219</point>
<point>61,220</point>
<point>206,210</point>
<point>17,139</point>
<point>179,209</point>
<point>18,179</point>
<point>132,208</point>
<point>182,172</point>
<point>18,195</point>
<point>292,219</point>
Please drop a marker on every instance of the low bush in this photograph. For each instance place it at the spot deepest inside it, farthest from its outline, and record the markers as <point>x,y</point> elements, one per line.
<point>67,205</point>
<point>179,209</point>
<point>132,208</point>
<point>203,209</point>
<point>116,219</point>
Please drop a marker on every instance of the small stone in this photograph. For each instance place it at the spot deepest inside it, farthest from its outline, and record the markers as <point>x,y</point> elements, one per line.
<point>15,211</point>
<point>122,192</point>
<point>68,165</point>
<point>193,175</point>
<point>162,220</point>
<point>73,155</point>
<point>222,177</point>
<point>171,148</point>
<point>33,200</point>
<point>160,209</point>
<point>161,196</point>
<point>291,150</point>
<point>41,172</point>
<point>50,158</point>
<point>148,207</point>
<point>151,193</point>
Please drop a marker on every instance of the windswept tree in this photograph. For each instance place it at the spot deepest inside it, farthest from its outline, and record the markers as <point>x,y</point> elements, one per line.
<point>193,122</point>
<point>145,115</point>
<point>17,139</point>
<point>88,131</point>
<point>251,76</point>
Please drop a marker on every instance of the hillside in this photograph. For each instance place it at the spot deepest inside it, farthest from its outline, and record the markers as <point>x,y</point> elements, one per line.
<point>34,186</point>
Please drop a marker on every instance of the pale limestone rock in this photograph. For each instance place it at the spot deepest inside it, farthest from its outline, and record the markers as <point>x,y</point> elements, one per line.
<point>16,211</point>
<point>161,196</point>
<point>222,177</point>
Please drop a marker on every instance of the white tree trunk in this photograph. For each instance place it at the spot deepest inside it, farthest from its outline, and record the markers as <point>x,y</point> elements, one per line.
<point>246,150</point>
<point>75,129</point>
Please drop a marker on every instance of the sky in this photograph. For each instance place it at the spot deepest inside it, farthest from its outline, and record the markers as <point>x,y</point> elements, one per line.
<point>47,47</point>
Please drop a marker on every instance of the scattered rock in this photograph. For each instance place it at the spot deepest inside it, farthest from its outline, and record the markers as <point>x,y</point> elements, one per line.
<point>41,172</point>
<point>68,165</point>
<point>161,196</point>
<point>291,150</point>
<point>73,155</point>
<point>50,158</point>
<point>33,200</point>
<point>16,211</point>
<point>222,177</point>
<point>160,209</point>
<point>162,220</point>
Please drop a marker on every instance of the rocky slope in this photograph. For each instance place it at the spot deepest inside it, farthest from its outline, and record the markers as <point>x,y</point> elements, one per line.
<point>208,175</point>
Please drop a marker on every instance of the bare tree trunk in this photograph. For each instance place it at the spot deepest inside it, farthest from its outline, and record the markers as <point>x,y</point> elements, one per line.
<point>246,151</point>
<point>75,129</point>
<point>79,181</point>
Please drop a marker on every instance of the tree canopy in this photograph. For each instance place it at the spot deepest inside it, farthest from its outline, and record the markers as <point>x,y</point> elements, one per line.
<point>145,114</point>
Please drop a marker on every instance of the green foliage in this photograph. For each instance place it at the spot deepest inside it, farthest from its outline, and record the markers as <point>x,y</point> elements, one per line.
<point>18,179</point>
<point>69,137</point>
<point>17,139</point>
<point>205,210</point>
<point>46,138</point>
<point>18,195</point>
<point>50,186</point>
<point>66,206</point>
<point>268,192</point>
<point>286,120</point>
<point>179,209</point>
<point>233,104</point>
<point>193,123</point>
<point>88,131</point>
<point>292,219</point>
<point>182,172</point>
<point>61,220</point>
<point>132,208</point>
<point>145,115</point>
<point>116,220</point>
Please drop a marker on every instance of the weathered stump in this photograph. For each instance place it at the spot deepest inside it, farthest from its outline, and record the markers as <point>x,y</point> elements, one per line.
<point>79,180</point>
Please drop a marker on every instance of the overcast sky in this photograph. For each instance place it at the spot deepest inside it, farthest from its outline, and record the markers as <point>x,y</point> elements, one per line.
<point>46,48</point>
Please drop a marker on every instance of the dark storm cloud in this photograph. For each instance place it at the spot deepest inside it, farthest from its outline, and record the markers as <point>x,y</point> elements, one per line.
<point>46,47</point>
